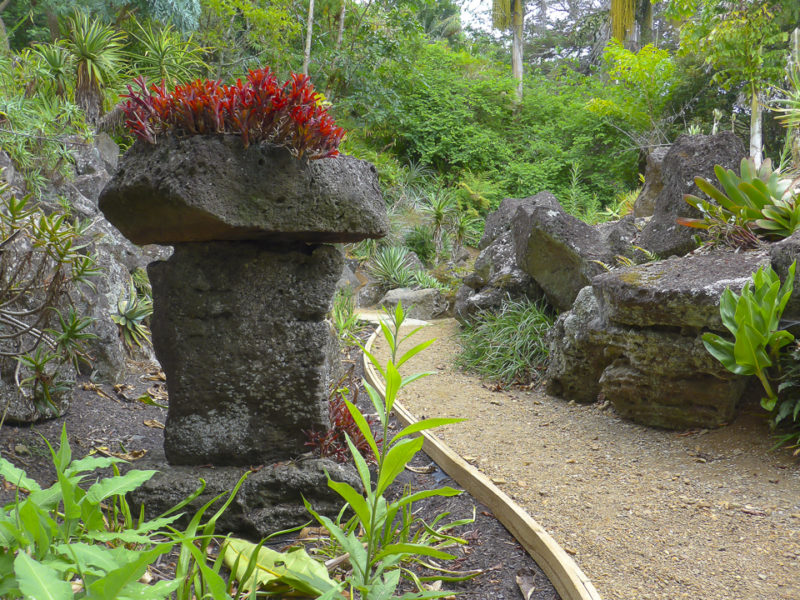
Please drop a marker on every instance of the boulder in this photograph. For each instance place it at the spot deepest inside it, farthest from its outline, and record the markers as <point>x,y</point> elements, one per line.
<point>496,278</point>
<point>211,188</point>
<point>500,220</point>
<point>635,337</point>
<point>577,358</point>
<point>645,203</point>
<point>678,292</point>
<point>21,408</point>
<point>418,304</point>
<point>689,157</point>
<point>270,499</point>
<point>559,252</point>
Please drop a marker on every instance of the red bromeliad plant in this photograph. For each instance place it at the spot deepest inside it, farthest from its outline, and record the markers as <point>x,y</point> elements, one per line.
<point>259,109</point>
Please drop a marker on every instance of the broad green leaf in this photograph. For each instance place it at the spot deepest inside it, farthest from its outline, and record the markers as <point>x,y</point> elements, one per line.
<point>413,378</point>
<point>414,351</point>
<point>361,464</point>
<point>754,197</point>
<point>423,425</point>
<point>727,310</point>
<point>117,485</point>
<point>396,460</point>
<point>116,580</point>
<point>393,381</point>
<point>351,544</point>
<point>416,549</point>
<point>362,425</point>
<point>748,350</point>
<point>38,526</point>
<point>710,190</point>
<point>157,591</point>
<point>17,476</point>
<point>294,569</point>
<point>722,350</point>
<point>89,555</point>
<point>38,582</point>
<point>377,401</point>
<point>91,463</point>
<point>768,404</point>
<point>355,500</point>
<point>64,454</point>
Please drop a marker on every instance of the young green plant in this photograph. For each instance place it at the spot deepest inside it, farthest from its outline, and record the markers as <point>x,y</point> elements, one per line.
<point>754,320</point>
<point>375,550</point>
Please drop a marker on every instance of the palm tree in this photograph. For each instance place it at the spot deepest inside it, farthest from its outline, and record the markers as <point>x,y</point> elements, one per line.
<point>510,15</point>
<point>97,49</point>
<point>440,206</point>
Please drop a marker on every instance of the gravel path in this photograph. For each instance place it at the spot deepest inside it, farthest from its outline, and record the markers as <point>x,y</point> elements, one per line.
<point>647,514</point>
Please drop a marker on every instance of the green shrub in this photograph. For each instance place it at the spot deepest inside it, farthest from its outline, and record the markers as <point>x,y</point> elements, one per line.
<point>344,314</point>
<point>78,538</point>
<point>390,266</point>
<point>419,240</point>
<point>42,265</point>
<point>509,346</point>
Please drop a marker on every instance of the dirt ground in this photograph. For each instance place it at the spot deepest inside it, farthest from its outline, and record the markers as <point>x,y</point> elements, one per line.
<point>108,420</point>
<point>646,513</point>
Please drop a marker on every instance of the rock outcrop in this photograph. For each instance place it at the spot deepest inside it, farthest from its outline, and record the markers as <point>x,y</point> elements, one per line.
<point>422,304</point>
<point>689,157</point>
<point>634,336</point>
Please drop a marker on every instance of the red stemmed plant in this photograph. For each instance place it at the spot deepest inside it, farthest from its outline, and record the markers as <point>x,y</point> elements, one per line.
<point>258,109</point>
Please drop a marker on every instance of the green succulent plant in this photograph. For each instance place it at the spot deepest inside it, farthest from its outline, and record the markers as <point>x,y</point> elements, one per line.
<point>130,316</point>
<point>758,201</point>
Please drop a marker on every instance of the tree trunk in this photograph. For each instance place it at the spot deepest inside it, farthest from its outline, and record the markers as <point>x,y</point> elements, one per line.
<point>518,19</point>
<point>340,34</point>
<point>756,132</point>
<point>644,19</point>
<point>309,29</point>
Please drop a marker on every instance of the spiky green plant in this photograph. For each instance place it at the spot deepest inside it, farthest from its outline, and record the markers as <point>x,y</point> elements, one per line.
<point>508,346</point>
<point>97,50</point>
<point>162,54</point>
<point>390,266</point>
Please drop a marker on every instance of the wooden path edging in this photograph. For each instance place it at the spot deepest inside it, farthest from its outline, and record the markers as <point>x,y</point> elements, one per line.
<point>565,575</point>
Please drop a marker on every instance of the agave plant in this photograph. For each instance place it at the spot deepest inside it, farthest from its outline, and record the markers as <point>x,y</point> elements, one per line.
<point>55,64</point>
<point>97,49</point>
<point>130,316</point>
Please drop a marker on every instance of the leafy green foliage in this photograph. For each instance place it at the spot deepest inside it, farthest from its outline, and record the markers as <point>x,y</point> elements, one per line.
<point>390,267</point>
<point>753,318</point>
<point>80,533</point>
<point>43,261</point>
<point>759,201</point>
<point>508,346</point>
<point>161,54</point>
<point>640,89</point>
<point>376,548</point>
<point>344,314</point>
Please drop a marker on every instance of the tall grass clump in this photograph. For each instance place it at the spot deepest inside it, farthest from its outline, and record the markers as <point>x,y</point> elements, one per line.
<point>508,346</point>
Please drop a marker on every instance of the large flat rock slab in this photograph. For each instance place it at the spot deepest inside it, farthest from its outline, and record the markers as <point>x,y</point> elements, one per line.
<point>679,292</point>
<point>211,188</point>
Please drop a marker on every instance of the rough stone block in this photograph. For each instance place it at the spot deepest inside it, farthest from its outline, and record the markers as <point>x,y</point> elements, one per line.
<point>240,331</point>
<point>678,292</point>
<point>210,188</point>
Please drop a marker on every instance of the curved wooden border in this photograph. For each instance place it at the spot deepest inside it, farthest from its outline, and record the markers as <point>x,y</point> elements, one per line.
<point>564,574</point>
